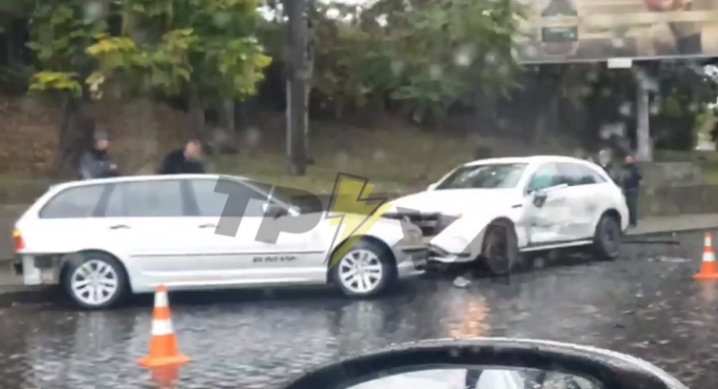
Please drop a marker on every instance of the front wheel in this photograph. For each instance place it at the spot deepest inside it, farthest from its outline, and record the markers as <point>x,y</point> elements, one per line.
<point>500,249</point>
<point>366,269</point>
<point>607,239</point>
<point>95,280</point>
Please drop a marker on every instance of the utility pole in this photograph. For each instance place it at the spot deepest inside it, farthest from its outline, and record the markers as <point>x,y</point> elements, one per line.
<point>296,38</point>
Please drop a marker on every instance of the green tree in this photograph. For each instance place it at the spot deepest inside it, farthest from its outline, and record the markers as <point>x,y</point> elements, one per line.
<point>206,51</point>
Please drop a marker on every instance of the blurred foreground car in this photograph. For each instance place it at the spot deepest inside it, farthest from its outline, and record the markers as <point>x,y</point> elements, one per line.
<point>101,239</point>
<point>488,363</point>
<point>497,209</point>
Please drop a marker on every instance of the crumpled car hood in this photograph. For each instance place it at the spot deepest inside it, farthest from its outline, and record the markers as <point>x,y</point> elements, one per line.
<point>478,208</point>
<point>455,201</point>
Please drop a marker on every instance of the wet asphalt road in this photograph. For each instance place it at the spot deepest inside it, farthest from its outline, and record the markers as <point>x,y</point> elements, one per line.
<point>645,304</point>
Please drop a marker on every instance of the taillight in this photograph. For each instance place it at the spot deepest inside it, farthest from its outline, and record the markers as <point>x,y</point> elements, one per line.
<point>17,238</point>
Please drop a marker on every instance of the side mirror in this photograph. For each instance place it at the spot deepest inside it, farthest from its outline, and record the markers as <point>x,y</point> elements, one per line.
<point>274,211</point>
<point>539,198</point>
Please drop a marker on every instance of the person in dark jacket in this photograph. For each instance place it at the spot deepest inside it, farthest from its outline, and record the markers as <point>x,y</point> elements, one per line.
<point>95,163</point>
<point>184,161</point>
<point>631,182</point>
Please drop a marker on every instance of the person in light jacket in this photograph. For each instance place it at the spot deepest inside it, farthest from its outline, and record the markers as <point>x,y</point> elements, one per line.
<point>96,163</point>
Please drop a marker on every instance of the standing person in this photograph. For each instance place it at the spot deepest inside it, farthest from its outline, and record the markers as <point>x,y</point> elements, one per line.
<point>630,182</point>
<point>185,160</point>
<point>95,163</point>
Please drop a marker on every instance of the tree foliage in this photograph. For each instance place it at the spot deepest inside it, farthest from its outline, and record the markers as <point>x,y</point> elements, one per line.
<point>138,46</point>
<point>428,53</point>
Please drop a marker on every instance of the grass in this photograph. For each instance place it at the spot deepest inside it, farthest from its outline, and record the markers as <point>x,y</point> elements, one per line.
<point>706,160</point>
<point>397,159</point>
<point>392,162</point>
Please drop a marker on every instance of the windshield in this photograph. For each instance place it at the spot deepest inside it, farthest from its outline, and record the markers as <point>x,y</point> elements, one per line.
<point>504,175</point>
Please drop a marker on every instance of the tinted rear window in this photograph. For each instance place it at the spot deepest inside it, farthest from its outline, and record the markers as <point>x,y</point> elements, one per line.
<point>161,198</point>
<point>78,202</point>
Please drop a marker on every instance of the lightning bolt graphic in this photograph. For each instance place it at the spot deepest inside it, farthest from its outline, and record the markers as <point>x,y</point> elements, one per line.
<point>353,211</point>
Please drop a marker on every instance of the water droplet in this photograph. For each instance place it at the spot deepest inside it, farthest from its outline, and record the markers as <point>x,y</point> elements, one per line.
<point>490,58</point>
<point>93,10</point>
<point>222,19</point>
<point>252,137</point>
<point>397,67</point>
<point>341,160</point>
<point>379,155</point>
<point>435,72</point>
<point>625,108</point>
<point>464,55</point>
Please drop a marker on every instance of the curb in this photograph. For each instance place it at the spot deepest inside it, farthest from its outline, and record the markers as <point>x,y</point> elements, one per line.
<point>674,231</point>
<point>16,294</point>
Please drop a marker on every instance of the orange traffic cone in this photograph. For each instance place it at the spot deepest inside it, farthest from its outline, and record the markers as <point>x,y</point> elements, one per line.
<point>709,271</point>
<point>163,345</point>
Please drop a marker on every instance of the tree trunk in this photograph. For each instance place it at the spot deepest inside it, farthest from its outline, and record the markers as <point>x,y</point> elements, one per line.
<point>297,88</point>
<point>74,135</point>
<point>196,115</point>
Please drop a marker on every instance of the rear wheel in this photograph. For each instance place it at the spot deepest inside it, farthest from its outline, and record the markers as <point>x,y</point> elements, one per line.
<point>95,280</point>
<point>607,238</point>
<point>366,269</point>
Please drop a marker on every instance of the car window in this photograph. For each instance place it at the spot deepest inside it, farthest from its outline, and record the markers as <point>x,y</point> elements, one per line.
<point>546,176</point>
<point>75,202</point>
<point>146,199</point>
<point>488,176</point>
<point>211,202</point>
<point>577,174</point>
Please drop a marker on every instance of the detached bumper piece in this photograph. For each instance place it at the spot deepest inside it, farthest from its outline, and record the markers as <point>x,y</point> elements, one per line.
<point>419,255</point>
<point>437,254</point>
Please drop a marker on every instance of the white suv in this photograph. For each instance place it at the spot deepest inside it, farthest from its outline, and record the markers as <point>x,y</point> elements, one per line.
<point>103,238</point>
<point>494,209</point>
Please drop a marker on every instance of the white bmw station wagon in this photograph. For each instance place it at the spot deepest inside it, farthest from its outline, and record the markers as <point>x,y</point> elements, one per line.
<point>102,239</point>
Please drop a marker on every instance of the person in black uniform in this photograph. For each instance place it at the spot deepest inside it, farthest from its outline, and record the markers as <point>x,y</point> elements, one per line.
<point>184,161</point>
<point>631,182</point>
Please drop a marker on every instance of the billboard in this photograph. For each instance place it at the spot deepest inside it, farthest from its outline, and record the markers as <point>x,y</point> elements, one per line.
<point>596,30</point>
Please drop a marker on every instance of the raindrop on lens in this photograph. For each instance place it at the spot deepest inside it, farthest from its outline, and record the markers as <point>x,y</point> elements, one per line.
<point>253,137</point>
<point>222,19</point>
<point>93,10</point>
<point>397,67</point>
<point>341,160</point>
<point>530,51</point>
<point>625,109</point>
<point>333,13</point>
<point>490,58</point>
<point>435,72</point>
<point>464,56</point>
<point>379,155</point>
